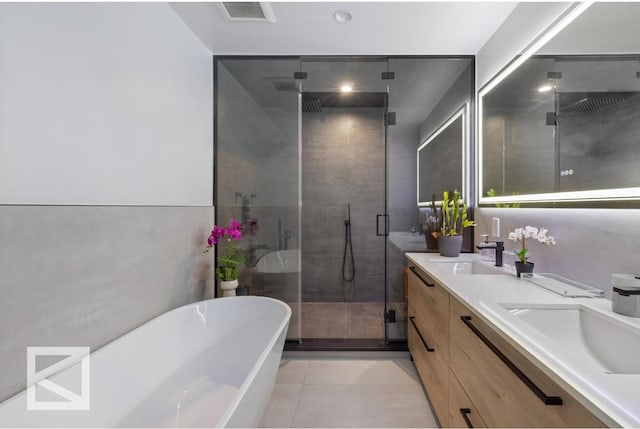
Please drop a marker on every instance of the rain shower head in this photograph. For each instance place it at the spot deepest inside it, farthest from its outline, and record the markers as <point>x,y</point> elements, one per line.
<point>588,102</point>
<point>317,101</point>
<point>311,105</point>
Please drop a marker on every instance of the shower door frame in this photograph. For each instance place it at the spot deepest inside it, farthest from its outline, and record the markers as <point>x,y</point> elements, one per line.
<point>347,344</point>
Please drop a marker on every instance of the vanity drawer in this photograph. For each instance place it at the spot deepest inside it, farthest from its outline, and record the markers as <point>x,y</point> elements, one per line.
<point>462,412</point>
<point>429,304</point>
<point>507,389</point>
<point>433,373</point>
<point>429,337</point>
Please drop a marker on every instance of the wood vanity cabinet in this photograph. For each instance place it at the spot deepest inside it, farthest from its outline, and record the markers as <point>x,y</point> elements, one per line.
<point>428,337</point>
<point>462,412</point>
<point>505,387</point>
<point>473,376</point>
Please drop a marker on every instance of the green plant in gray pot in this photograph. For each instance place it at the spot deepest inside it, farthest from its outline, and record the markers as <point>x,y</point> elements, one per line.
<point>454,220</point>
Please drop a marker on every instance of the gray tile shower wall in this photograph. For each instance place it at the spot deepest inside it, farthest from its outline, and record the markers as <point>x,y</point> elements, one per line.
<point>402,178</point>
<point>342,163</point>
<point>85,275</point>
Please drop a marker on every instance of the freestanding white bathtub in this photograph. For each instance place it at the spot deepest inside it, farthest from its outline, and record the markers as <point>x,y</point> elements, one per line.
<point>211,363</point>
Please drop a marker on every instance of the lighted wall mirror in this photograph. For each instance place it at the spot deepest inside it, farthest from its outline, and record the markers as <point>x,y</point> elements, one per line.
<point>563,127</point>
<point>442,159</point>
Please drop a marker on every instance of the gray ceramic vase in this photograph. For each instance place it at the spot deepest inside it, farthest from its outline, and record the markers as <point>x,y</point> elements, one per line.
<point>450,245</point>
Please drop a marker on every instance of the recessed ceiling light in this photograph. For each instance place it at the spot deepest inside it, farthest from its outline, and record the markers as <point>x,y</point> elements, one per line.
<point>342,16</point>
<point>545,88</point>
<point>346,88</point>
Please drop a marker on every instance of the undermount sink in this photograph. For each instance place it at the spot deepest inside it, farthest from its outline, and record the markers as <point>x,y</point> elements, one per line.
<point>611,344</point>
<point>470,267</point>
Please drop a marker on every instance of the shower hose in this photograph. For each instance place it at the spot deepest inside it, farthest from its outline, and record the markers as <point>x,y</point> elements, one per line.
<point>346,275</point>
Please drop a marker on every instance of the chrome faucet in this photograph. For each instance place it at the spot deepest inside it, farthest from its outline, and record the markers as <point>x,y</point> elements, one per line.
<point>498,246</point>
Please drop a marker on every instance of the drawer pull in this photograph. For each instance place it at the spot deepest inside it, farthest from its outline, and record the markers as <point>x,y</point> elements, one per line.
<point>464,412</point>
<point>413,322</point>
<point>427,284</point>
<point>547,400</point>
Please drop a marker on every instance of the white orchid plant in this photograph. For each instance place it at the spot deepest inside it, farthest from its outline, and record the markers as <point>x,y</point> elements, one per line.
<point>540,235</point>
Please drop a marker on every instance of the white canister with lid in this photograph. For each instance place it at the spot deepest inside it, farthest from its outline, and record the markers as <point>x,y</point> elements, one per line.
<point>626,294</point>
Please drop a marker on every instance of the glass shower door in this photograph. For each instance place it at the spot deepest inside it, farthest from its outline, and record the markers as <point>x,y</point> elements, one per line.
<point>343,195</point>
<point>257,178</point>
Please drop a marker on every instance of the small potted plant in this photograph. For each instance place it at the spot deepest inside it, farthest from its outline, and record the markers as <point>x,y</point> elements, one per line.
<point>521,234</point>
<point>230,258</point>
<point>454,220</point>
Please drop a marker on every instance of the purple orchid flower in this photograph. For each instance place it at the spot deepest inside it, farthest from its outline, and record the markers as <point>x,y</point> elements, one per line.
<point>216,234</point>
<point>234,230</point>
<point>234,234</point>
<point>234,224</point>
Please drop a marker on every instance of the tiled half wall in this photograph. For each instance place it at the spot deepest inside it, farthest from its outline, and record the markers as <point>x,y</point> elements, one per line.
<point>85,275</point>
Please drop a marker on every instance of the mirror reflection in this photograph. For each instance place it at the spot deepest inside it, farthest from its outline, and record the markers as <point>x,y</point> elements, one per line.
<point>441,158</point>
<point>564,125</point>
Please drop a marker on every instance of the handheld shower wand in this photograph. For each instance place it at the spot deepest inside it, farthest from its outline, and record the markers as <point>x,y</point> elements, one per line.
<point>346,276</point>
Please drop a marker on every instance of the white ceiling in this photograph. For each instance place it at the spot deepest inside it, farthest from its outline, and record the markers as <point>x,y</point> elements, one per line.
<point>427,28</point>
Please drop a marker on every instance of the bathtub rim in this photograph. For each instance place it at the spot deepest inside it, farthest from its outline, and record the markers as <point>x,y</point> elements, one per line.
<point>242,389</point>
<point>233,405</point>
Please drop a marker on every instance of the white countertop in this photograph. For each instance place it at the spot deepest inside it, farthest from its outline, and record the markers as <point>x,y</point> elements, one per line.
<point>614,398</point>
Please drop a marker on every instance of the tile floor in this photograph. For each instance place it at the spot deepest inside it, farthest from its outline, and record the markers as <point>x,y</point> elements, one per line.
<point>348,393</point>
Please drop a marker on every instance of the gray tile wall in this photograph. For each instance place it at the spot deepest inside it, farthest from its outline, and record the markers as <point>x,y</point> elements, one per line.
<point>342,162</point>
<point>85,275</point>
<point>402,178</point>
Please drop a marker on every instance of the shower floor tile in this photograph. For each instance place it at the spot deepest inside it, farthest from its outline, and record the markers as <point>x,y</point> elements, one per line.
<point>365,320</point>
<point>324,320</point>
<point>342,320</point>
<point>349,394</point>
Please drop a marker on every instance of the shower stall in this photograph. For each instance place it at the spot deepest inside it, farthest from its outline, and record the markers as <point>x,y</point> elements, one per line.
<point>316,157</point>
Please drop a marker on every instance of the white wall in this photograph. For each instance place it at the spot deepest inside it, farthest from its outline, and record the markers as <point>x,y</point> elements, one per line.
<point>100,103</point>
<point>103,103</point>
<point>592,243</point>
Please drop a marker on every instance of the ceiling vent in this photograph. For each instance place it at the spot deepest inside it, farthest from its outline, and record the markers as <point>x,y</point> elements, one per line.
<point>247,11</point>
